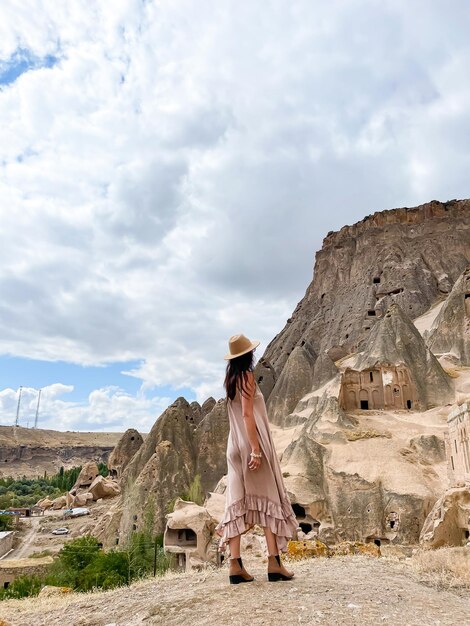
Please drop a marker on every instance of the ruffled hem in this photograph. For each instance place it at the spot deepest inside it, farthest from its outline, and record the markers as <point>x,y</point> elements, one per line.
<point>242,515</point>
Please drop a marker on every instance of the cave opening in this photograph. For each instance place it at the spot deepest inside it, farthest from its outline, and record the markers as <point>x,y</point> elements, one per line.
<point>306,527</point>
<point>364,405</point>
<point>299,510</point>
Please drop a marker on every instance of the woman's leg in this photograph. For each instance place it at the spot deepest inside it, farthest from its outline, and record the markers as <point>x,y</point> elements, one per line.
<point>273,550</point>
<point>236,564</point>
<point>234,544</point>
<point>270,541</point>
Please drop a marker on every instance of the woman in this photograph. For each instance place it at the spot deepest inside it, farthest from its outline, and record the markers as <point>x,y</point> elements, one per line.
<point>255,489</point>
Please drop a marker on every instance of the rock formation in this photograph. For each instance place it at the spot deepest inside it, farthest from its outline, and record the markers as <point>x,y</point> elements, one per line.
<point>410,257</point>
<point>178,448</point>
<point>293,383</point>
<point>126,447</point>
<point>189,535</point>
<point>103,487</point>
<point>87,475</point>
<point>448,524</point>
<point>401,371</point>
<point>450,333</point>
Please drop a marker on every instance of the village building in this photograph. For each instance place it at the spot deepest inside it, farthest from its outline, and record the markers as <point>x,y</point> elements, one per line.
<point>6,541</point>
<point>189,536</point>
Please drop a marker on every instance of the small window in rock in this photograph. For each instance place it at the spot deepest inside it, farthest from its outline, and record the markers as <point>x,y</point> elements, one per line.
<point>303,343</point>
<point>187,535</point>
<point>260,379</point>
<point>134,527</point>
<point>299,511</point>
<point>392,523</point>
<point>467,534</point>
<point>322,296</point>
<point>5,584</point>
<point>377,542</point>
<point>346,336</point>
<point>408,404</point>
<point>117,541</point>
<point>371,313</point>
<point>371,376</point>
<point>135,518</point>
<point>467,295</point>
<point>377,280</point>
<point>132,438</point>
<point>365,405</point>
<point>306,528</point>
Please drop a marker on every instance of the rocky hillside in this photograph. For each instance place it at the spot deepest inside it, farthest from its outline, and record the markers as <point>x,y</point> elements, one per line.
<point>186,440</point>
<point>31,452</point>
<point>356,397</point>
<point>410,257</point>
<point>343,591</point>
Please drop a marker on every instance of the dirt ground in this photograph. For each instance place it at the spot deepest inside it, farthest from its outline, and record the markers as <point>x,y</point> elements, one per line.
<point>339,591</point>
<point>34,534</point>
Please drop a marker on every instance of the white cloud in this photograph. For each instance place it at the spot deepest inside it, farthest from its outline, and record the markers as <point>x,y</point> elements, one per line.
<point>107,409</point>
<point>167,182</point>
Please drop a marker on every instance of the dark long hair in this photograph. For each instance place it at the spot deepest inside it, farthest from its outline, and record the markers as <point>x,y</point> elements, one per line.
<point>236,374</point>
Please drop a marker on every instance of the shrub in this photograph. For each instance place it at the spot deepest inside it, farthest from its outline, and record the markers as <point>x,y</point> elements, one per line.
<point>22,587</point>
<point>6,522</point>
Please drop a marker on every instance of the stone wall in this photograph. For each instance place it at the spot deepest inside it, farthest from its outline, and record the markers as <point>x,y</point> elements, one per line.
<point>13,568</point>
<point>6,541</point>
<point>458,445</point>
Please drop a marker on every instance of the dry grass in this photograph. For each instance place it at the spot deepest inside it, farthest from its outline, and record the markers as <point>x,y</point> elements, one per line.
<point>355,435</point>
<point>445,568</point>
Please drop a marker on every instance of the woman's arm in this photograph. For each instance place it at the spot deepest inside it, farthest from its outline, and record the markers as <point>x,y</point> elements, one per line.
<point>249,419</point>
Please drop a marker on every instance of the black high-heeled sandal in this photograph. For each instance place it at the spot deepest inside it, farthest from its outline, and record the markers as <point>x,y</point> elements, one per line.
<point>275,576</point>
<point>235,579</point>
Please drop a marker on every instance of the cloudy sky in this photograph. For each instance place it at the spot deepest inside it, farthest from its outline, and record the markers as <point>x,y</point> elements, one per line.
<point>169,168</point>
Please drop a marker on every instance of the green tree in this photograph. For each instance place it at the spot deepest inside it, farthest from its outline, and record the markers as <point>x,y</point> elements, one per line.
<point>79,553</point>
<point>22,587</point>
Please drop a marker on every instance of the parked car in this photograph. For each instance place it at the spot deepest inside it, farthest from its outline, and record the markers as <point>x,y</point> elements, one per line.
<point>76,512</point>
<point>60,531</point>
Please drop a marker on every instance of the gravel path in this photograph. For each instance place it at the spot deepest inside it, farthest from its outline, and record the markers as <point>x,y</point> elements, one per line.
<point>338,591</point>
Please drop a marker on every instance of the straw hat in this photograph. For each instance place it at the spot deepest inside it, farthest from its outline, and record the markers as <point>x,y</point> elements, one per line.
<point>238,345</point>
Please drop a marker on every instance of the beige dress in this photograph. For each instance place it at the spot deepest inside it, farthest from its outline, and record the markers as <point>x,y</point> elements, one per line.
<point>254,496</point>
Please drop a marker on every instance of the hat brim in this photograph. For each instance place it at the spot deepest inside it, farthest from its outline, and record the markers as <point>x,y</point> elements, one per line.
<point>254,344</point>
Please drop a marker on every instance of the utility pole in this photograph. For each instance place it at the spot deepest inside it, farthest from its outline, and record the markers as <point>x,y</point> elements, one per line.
<point>18,408</point>
<point>37,410</point>
<point>155,557</point>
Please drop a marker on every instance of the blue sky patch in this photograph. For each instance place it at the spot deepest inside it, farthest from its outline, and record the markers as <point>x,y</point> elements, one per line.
<point>21,61</point>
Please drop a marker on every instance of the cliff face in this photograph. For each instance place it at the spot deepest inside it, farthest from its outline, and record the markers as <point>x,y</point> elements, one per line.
<point>31,452</point>
<point>410,257</point>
